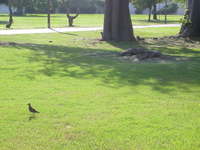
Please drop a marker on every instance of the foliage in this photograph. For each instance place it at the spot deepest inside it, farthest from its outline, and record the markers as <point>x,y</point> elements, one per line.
<point>143,4</point>
<point>40,6</point>
<point>186,18</point>
<point>3,1</point>
<point>180,1</point>
<point>169,9</point>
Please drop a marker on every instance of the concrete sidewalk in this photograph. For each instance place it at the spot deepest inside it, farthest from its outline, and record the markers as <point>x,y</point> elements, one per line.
<point>72,29</point>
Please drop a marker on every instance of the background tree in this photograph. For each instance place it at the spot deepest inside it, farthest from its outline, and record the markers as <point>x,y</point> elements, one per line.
<point>67,9</point>
<point>155,9</point>
<point>152,5</point>
<point>20,5</point>
<point>40,6</point>
<point>49,13</point>
<point>191,21</point>
<point>85,6</point>
<point>9,4</point>
<point>149,4</point>
<point>169,9</point>
<point>117,21</point>
<point>71,18</point>
<point>10,22</point>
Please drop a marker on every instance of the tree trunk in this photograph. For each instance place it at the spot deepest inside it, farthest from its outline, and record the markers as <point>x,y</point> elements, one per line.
<point>189,4</point>
<point>10,22</point>
<point>192,27</point>
<point>117,21</point>
<point>155,11</point>
<point>71,18</point>
<point>166,11</point>
<point>149,19</point>
<point>49,14</point>
<point>195,18</point>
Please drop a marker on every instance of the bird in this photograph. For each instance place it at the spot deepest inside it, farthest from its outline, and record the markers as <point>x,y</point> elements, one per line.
<point>31,109</point>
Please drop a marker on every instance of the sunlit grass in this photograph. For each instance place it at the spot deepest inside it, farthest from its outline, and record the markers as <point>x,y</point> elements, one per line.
<point>84,20</point>
<point>92,102</point>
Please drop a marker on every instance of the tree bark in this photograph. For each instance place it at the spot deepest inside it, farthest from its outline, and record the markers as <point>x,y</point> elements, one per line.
<point>166,4</point>
<point>195,18</point>
<point>117,21</point>
<point>192,27</point>
<point>150,9</point>
<point>49,14</point>
<point>155,11</point>
<point>71,18</point>
<point>10,22</point>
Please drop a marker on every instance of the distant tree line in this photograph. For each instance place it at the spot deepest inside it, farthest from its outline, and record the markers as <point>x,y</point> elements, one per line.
<point>152,5</point>
<point>57,6</point>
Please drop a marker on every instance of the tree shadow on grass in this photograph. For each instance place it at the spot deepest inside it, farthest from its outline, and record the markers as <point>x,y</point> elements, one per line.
<point>3,22</point>
<point>84,63</point>
<point>174,47</point>
<point>180,51</point>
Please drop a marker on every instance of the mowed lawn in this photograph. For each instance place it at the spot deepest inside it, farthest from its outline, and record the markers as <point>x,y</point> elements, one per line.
<point>84,20</point>
<point>91,100</point>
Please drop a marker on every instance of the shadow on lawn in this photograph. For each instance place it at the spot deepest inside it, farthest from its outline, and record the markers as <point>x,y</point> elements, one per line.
<point>3,22</point>
<point>84,63</point>
<point>164,47</point>
<point>31,117</point>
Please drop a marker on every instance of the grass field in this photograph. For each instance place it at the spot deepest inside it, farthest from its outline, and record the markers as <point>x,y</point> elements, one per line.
<point>84,20</point>
<point>98,103</point>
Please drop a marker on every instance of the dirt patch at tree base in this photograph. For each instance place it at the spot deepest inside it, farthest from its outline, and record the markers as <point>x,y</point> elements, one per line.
<point>137,55</point>
<point>142,54</point>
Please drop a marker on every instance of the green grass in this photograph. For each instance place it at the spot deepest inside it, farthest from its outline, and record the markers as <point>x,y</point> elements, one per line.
<point>101,103</point>
<point>84,20</point>
<point>157,32</point>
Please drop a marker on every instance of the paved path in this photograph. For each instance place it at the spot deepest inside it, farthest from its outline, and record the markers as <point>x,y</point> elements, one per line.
<point>72,29</point>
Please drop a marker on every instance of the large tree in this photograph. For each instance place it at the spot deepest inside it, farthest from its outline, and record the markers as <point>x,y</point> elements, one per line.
<point>117,21</point>
<point>191,22</point>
